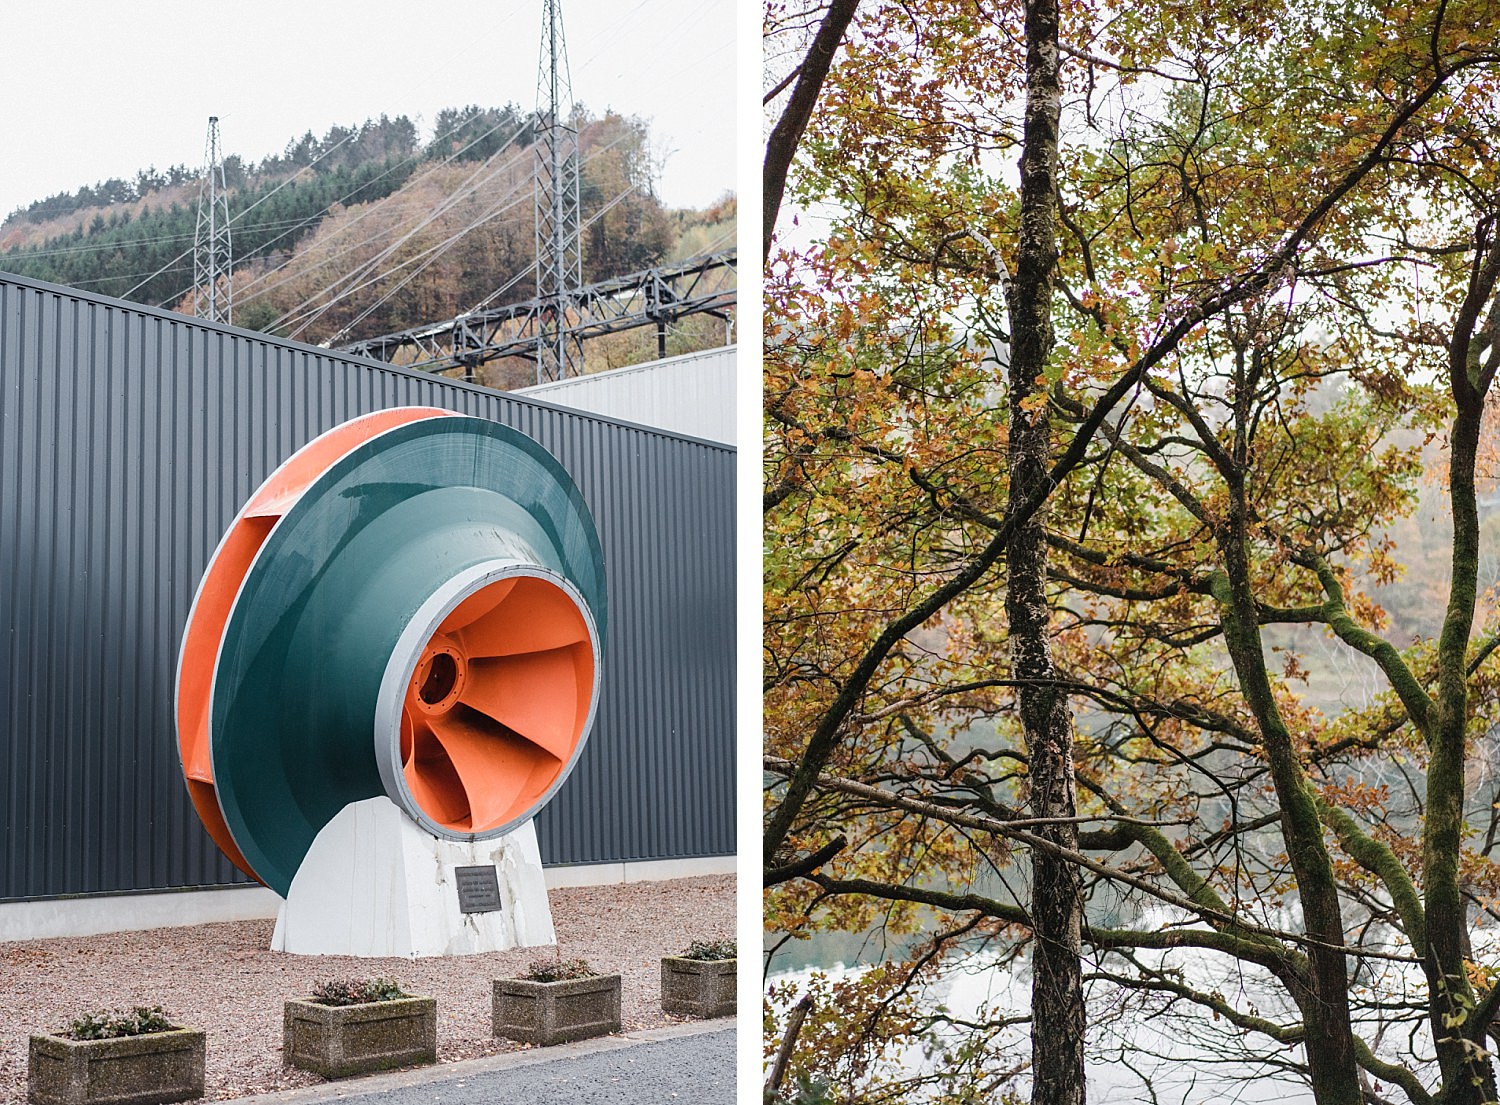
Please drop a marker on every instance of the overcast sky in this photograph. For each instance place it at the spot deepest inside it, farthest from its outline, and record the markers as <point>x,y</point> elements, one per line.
<point>93,89</point>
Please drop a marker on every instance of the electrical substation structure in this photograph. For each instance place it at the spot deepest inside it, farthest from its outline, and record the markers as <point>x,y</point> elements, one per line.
<point>653,297</point>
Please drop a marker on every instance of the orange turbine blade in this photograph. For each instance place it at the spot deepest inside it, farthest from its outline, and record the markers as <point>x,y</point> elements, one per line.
<point>435,781</point>
<point>536,694</point>
<point>477,606</point>
<point>493,764</point>
<point>536,616</point>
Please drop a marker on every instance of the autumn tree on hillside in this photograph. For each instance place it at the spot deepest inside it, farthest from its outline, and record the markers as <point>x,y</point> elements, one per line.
<point>360,231</point>
<point>628,229</point>
<point>460,233</point>
<point>1275,245</point>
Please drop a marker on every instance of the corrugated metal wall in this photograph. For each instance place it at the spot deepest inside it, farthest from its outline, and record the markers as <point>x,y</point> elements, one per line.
<point>130,437</point>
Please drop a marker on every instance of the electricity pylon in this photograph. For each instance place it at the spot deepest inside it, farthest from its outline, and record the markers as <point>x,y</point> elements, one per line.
<point>559,248</point>
<point>213,260</point>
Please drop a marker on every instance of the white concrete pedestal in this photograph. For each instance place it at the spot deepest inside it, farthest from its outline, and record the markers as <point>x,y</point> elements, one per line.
<point>375,884</point>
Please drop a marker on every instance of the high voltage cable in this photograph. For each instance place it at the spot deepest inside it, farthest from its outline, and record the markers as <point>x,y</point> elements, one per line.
<point>300,170</point>
<point>23,253</point>
<point>374,205</point>
<point>297,312</point>
<point>501,290</point>
<point>294,224</point>
<point>590,221</point>
<point>320,215</point>
<point>427,257</point>
<point>464,190</point>
<point>382,176</point>
<point>113,276</point>
<point>438,250</point>
<point>233,219</point>
<point>302,317</point>
<point>431,253</point>
<point>435,252</point>
<point>158,272</point>
<point>343,333</point>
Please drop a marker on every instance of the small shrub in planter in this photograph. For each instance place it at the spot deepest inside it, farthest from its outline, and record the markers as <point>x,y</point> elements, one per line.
<point>700,981</point>
<point>354,1026</point>
<point>553,1003</point>
<point>117,1058</point>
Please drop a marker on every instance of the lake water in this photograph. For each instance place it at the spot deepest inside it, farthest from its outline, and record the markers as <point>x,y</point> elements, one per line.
<point>1177,1055</point>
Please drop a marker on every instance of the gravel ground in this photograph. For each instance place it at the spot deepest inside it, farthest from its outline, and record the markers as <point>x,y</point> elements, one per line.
<point>221,978</point>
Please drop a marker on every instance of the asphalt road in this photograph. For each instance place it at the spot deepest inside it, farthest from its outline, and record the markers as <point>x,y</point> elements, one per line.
<point>696,1068</point>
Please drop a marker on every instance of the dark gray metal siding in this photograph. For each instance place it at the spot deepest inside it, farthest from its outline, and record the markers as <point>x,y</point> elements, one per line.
<point>130,437</point>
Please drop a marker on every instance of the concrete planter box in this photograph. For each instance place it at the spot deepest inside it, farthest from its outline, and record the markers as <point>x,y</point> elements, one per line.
<point>556,1012</point>
<point>339,1040</point>
<point>150,1069</point>
<point>697,987</point>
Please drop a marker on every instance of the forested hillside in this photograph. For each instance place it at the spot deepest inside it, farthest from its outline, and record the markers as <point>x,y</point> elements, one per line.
<point>368,229</point>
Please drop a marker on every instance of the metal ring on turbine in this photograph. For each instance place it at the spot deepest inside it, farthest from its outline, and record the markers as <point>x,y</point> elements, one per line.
<point>473,721</point>
<point>423,621</point>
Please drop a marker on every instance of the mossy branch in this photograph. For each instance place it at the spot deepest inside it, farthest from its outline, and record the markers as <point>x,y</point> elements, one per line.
<point>1281,1033</point>
<point>1013,831</point>
<point>1394,1073</point>
<point>1193,885</point>
<point>1414,697</point>
<point>1381,862</point>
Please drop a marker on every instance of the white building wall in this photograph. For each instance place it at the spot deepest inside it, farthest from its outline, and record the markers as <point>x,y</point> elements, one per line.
<point>692,394</point>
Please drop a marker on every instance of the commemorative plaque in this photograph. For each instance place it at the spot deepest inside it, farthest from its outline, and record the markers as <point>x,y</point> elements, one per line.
<point>478,889</point>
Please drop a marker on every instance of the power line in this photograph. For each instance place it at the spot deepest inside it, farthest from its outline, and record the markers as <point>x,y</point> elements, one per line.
<point>373,207</point>
<point>431,253</point>
<point>360,279</point>
<point>294,224</point>
<point>467,188</point>
<point>300,170</point>
<point>296,314</point>
<point>434,252</point>
<point>24,254</point>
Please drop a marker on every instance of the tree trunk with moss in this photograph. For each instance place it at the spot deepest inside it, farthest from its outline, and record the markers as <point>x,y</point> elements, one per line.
<point>1328,1034</point>
<point>1057,1012</point>
<point>1468,1075</point>
<point>1323,998</point>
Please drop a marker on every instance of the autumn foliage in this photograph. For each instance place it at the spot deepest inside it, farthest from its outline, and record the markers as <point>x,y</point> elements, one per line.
<point>1275,330</point>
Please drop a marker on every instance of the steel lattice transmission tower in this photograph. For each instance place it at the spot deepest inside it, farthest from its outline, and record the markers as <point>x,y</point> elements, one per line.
<point>559,226</point>
<point>212,257</point>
